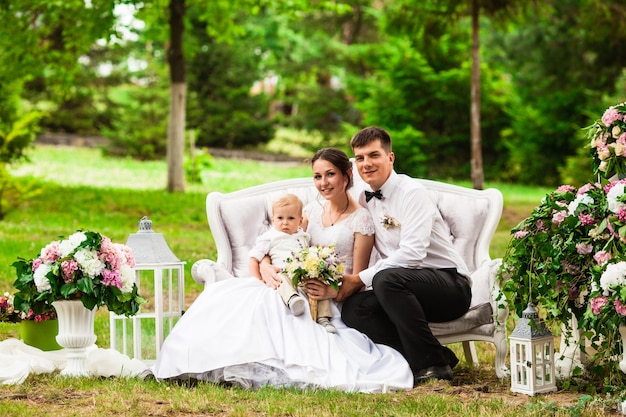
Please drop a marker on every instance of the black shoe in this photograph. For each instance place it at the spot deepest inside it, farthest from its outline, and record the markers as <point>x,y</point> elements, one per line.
<point>432,372</point>
<point>450,357</point>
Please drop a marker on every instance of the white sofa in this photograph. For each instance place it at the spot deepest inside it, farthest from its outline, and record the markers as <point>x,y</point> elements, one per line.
<point>237,218</point>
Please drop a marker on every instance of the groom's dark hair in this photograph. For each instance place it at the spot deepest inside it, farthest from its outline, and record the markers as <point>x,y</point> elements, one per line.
<point>370,134</point>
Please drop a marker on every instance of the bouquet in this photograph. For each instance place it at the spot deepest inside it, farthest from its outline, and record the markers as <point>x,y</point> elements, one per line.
<point>608,142</point>
<point>316,262</point>
<point>86,266</point>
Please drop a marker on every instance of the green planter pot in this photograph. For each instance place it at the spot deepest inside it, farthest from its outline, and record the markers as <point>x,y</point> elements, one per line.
<point>41,334</point>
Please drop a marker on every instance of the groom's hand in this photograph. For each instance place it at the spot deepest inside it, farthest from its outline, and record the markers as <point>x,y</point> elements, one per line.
<point>350,284</point>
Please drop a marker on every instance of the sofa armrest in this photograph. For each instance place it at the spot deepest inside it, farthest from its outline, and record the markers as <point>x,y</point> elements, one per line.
<point>206,272</point>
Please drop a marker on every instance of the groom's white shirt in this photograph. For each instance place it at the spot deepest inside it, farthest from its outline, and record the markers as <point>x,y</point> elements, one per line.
<point>421,240</point>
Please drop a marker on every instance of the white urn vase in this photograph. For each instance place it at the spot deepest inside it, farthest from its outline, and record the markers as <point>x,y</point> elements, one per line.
<point>75,334</point>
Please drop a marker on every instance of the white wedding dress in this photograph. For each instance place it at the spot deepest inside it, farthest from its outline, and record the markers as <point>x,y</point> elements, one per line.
<point>240,331</point>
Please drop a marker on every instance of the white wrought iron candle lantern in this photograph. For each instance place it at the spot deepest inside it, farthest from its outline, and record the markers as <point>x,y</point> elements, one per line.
<point>532,355</point>
<point>159,275</point>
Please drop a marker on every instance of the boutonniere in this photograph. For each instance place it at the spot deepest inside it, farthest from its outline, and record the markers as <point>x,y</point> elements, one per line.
<point>387,221</point>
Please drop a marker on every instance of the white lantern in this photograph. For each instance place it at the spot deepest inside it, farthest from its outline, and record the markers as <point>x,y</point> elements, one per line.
<point>159,275</point>
<point>532,355</point>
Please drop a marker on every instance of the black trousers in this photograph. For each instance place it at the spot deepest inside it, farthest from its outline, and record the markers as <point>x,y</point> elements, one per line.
<point>396,313</point>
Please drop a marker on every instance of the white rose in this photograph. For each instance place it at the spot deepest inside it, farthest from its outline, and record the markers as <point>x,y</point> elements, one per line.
<point>616,131</point>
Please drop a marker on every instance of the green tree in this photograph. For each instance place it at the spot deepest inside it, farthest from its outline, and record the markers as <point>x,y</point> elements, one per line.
<point>435,18</point>
<point>564,62</point>
<point>220,79</point>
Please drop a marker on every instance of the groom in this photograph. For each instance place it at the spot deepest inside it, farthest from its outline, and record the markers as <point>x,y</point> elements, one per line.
<point>419,277</point>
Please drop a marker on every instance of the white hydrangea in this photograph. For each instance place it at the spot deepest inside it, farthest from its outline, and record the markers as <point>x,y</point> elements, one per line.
<point>612,197</point>
<point>89,262</point>
<point>613,277</point>
<point>41,281</point>
<point>581,199</point>
<point>127,275</point>
<point>68,245</point>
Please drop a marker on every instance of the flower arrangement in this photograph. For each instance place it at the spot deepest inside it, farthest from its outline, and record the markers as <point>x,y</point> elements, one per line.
<point>7,309</point>
<point>569,258</point>
<point>38,311</point>
<point>85,266</point>
<point>608,142</point>
<point>315,262</point>
<point>387,221</point>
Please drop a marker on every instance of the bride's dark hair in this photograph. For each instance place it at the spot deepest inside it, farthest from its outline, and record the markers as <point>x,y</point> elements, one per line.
<point>338,158</point>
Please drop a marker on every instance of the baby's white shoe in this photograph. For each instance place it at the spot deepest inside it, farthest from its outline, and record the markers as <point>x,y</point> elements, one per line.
<point>325,322</point>
<point>296,305</point>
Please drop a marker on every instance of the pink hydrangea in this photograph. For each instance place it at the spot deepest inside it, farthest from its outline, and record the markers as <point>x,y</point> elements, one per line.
<point>584,248</point>
<point>128,254</point>
<point>583,190</point>
<point>558,217</point>
<point>111,278</point>
<point>611,115</point>
<point>598,303</point>
<point>36,263</point>
<point>619,307</point>
<point>51,252</point>
<point>601,257</point>
<point>565,189</point>
<point>110,254</point>
<point>540,226</point>
<point>69,267</point>
<point>586,219</point>
<point>520,234</point>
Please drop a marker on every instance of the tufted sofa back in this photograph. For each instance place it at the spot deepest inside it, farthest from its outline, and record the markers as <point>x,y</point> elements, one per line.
<point>237,218</point>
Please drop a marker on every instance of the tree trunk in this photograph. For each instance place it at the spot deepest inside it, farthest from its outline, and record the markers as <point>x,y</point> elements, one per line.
<point>178,98</point>
<point>476,149</point>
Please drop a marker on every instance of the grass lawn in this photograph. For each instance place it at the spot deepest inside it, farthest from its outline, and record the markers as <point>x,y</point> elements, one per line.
<point>82,190</point>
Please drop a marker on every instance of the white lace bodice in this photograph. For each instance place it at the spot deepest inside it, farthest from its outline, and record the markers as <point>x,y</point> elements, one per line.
<point>341,234</point>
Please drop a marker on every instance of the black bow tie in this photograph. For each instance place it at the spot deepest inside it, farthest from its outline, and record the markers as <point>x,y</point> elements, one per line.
<point>369,195</point>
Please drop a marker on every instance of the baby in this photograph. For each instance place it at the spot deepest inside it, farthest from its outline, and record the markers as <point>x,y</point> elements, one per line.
<point>279,243</point>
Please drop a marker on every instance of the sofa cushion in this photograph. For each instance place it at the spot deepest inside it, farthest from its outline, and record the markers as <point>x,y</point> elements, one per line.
<point>476,316</point>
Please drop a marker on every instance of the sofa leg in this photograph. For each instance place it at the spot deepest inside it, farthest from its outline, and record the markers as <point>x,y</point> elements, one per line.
<point>502,348</point>
<point>469,349</point>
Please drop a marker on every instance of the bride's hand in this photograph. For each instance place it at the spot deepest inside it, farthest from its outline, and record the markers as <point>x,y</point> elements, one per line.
<point>270,274</point>
<point>317,290</point>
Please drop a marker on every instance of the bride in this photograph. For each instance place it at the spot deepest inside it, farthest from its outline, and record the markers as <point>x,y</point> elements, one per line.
<point>239,330</point>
